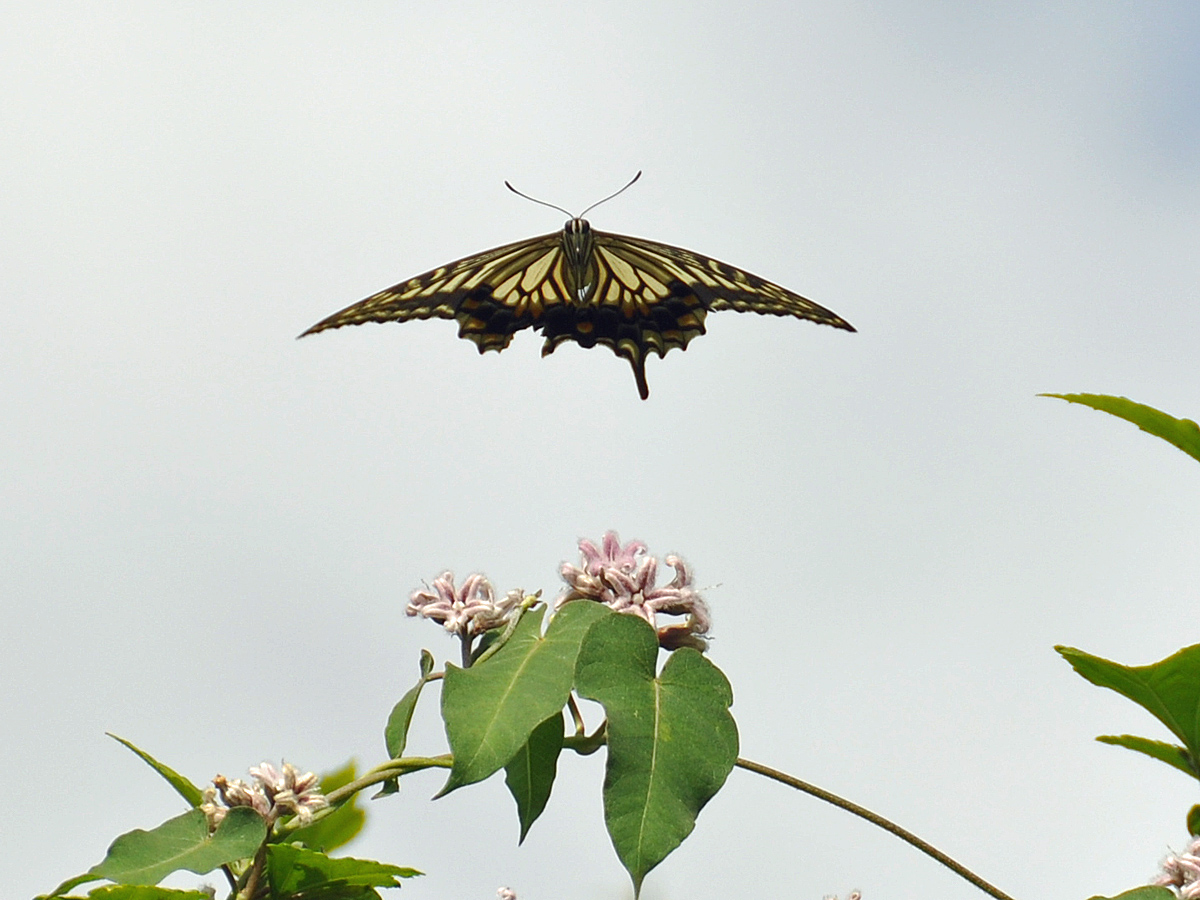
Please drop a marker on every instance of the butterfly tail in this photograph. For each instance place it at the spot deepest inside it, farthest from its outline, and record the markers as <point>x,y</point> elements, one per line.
<point>639,374</point>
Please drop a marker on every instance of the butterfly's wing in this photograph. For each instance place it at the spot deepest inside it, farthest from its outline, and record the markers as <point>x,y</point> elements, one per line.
<point>652,297</point>
<point>492,295</point>
<point>716,285</point>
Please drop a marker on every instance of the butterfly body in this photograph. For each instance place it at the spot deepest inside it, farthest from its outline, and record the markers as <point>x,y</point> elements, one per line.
<point>632,295</point>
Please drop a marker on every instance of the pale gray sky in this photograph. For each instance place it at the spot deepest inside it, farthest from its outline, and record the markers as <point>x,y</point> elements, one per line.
<point>209,529</point>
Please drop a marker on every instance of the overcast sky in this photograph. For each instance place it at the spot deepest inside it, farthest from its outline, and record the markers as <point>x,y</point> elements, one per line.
<point>208,530</point>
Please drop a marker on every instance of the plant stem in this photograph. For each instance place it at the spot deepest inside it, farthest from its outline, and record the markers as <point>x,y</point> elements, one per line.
<point>875,819</point>
<point>255,874</point>
<point>585,745</point>
<point>393,768</point>
<point>576,715</point>
<point>466,650</point>
<point>231,878</point>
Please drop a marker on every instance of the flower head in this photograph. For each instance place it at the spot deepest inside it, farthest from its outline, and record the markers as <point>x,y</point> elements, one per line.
<point>610,555</point>
<point>274,793</point>
<point>467,611</point>
<point>289,791</point>
<point>1181,872</point>
<point>626,579</point>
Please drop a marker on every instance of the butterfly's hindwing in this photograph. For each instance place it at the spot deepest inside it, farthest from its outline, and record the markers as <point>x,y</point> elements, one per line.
<point>631,295</point>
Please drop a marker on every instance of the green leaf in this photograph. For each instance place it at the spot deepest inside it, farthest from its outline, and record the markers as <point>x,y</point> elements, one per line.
<point>1193,821</point>
<point>1171,754</point>
<point>396,733</point>
<point>391,786</point>
<point>130,892</point>
<point>182,785</point>
<point>295,872</point>
<point>340,827</point>
<point>147,857</point>
<point>144,892</point>
<point>1168,689</point>
<point>333,891</point>
<point>1183,433</point>
<point>530,774</point>
<point>671,739</point>
<point>66,886</point>
<point>491,709</point>
<point>1147,892</point>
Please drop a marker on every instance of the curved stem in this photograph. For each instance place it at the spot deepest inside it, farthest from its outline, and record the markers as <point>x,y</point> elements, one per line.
<point>875,819</point>
<point>584,744</point>
<point>393,768</point>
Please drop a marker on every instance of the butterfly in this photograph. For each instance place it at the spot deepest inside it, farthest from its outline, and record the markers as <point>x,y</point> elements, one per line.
<point>632,295</point>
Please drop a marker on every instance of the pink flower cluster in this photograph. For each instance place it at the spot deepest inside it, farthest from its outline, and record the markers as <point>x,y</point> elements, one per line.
<point>273,793</point>
<point>466,611</point>
<point>625,579</point>
<point>1181,872</point>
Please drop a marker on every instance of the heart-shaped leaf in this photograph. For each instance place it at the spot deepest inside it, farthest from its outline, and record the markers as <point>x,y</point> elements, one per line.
<point>671,739</point>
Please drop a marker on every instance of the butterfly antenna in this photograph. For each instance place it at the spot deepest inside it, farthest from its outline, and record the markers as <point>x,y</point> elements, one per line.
<point>610,196</point>
<point>567,212</point>
<point>536,200</point>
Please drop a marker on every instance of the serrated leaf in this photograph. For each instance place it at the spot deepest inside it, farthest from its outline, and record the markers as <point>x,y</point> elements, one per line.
<point>530,774</point>
<point>147,857</point>
<point>395,734</point>
<point>338,828</point>
<point>183,786</point>
<point>1183,433</point>
<point>671,739</point>
<point>296,872</point>
<point>491,709</point>
<point>1171,754</point>
<point>1168,689</point>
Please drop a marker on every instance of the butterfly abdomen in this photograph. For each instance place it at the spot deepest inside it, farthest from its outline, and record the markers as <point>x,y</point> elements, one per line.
<point>579,266</point>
